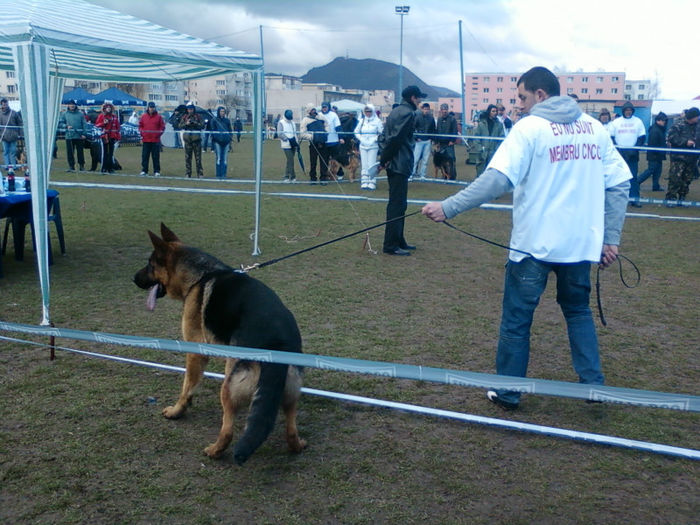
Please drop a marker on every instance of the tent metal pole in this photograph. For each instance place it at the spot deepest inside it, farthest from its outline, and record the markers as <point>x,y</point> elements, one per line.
<point>258,83</point>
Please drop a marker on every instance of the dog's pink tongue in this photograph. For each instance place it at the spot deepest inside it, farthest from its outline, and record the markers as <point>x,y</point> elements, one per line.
<point>151,301</point>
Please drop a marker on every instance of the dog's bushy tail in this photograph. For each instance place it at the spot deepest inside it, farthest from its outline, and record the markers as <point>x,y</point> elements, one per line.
<point>263,410</point>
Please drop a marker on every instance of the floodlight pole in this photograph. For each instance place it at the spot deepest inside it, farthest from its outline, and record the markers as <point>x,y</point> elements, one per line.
<point>401,10</point>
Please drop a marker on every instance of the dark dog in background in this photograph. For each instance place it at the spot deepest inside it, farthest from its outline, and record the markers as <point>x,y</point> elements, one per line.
<point>442,163</point>
<point>227,307</point>
<point>349,159</point>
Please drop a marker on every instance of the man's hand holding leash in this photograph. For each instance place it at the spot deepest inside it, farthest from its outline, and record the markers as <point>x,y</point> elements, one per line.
<point>433,210</point>
<point>608,256</point>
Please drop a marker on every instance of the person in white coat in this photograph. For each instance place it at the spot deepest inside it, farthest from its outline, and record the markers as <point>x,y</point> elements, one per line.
<point>367,131</point>
<point>287,133</point>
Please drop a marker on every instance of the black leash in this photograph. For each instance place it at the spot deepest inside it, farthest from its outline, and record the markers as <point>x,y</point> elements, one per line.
<point>273,261</point>
<point>597,276</point>
<point>622,278</point>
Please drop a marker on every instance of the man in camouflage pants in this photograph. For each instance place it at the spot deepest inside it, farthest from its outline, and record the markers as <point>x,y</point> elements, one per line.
<point>683,135</point>
<point>193,122</point>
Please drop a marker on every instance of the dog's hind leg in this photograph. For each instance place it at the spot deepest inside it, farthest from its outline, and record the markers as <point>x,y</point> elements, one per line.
<point>289,406</point>
<point>193,375</point>
<point>229,408</point>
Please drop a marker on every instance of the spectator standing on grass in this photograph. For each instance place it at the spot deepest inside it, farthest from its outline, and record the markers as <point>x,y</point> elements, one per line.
<point>74,121</point>
<point>286,132</point>
<point>238,128</point>
<point>657,139</point>
<point>561,165</point>
<point>489,126</point>
<point>10,131</point>
<point>684,134</point>
<point>109,125</point>
<point>423,135</point>
<point>333,141</point>
<point>626,132</point>
<point>151,127</point>
<point>604,119</point>
<point>447,130</point>
<point>313,129</point>
<point>221,136</point>
<point>396,156</point>
<point>192,123</point>
<point>367,132</point>
<point>504,119</point>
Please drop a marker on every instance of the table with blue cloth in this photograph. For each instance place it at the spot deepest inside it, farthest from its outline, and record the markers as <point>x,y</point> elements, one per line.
<point>17,208</point>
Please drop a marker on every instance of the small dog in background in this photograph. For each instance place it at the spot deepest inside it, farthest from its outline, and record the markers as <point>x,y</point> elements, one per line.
<point>442,163</point>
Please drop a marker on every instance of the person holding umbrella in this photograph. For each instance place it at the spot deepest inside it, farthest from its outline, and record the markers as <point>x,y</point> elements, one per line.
<point>286,132</point>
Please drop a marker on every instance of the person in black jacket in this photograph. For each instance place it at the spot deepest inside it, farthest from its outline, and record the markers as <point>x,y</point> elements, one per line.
<point>396,156</point>
<point>657,139</point>
<point>425,129</point>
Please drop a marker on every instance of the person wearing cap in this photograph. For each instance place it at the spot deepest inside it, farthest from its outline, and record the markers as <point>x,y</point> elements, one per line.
<point>108,123</point>
<point>331,149</point>
<point>657,139</point>
<point>367,132</point>
<point>313,129</point>
<point>570,188</point>
<point>684,134</point>
<point>425,129</point>
<point>193,124</point>
<point>10,131</point>
<point>287,133</point>
<point>76,131</point>
<point>626,132</point>
<point>396,156</point>
<point>446,131</point>
<point>151,127</point>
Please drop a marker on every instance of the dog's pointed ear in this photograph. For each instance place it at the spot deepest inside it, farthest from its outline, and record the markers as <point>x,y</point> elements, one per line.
<point>158,243</point>
<point>168,235</point>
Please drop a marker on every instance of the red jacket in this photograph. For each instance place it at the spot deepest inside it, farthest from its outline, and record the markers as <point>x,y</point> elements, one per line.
<point>109,123</point>
<point>151,127</point>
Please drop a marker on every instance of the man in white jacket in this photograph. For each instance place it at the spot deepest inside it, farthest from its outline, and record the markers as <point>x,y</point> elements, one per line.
<point>367,131</point>
<point>570,189</point>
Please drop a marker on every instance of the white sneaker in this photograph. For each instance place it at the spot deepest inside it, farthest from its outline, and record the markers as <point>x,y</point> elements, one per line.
<point>157,174</point>
<point>364,186</point>
<point>143,173</point>
<point>372,186</point>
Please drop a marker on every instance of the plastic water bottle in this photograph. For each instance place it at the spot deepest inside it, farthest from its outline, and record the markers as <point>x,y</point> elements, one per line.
<point>11,181</point>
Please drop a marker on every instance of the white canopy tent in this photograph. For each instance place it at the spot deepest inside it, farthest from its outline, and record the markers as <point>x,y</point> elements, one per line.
<point>47,41</point>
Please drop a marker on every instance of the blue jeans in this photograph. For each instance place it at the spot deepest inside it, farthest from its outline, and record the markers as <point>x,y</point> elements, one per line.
<point>9,152</point>
<point>421,154</point>
<point>221,151</point>
<point>632,161</point>
<point>525,281</point>
<point>654,171</point>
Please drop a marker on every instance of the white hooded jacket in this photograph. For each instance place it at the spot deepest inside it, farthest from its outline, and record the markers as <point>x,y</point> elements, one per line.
<point>368,129</point>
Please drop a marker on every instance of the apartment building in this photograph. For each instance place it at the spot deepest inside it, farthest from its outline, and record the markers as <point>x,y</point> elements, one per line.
<point>639,90</point>
<point>592,89</point>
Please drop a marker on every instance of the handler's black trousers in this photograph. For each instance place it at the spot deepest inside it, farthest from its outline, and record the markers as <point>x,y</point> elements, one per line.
<point>396,207</point>
<point>150,149</point>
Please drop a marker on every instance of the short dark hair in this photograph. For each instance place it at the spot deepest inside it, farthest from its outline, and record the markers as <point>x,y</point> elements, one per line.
<point>540,78</point>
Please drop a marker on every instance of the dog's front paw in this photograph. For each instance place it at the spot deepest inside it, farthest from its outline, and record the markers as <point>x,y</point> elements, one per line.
<point>174,412</point>
<point>213,451</point>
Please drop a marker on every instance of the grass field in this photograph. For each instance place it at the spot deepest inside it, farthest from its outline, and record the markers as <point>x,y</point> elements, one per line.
<point>82,440</point>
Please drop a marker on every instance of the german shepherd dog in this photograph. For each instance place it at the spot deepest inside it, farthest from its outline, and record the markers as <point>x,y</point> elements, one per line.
<point>227,307</point>
<point>442,164</point>
<point>348,158</point>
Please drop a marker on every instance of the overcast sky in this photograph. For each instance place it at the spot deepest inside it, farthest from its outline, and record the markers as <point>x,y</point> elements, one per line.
<point>656,40</point>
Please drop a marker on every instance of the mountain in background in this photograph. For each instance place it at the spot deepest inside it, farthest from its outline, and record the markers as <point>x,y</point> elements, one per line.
<point>369,74</point>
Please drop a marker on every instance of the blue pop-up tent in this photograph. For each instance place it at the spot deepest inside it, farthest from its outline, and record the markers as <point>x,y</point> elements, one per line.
<point>81,96</point>
<point>118,98</point>
<point>44,42</point>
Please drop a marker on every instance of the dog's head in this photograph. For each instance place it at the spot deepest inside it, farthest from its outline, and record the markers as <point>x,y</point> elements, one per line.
<point>157,275</point>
